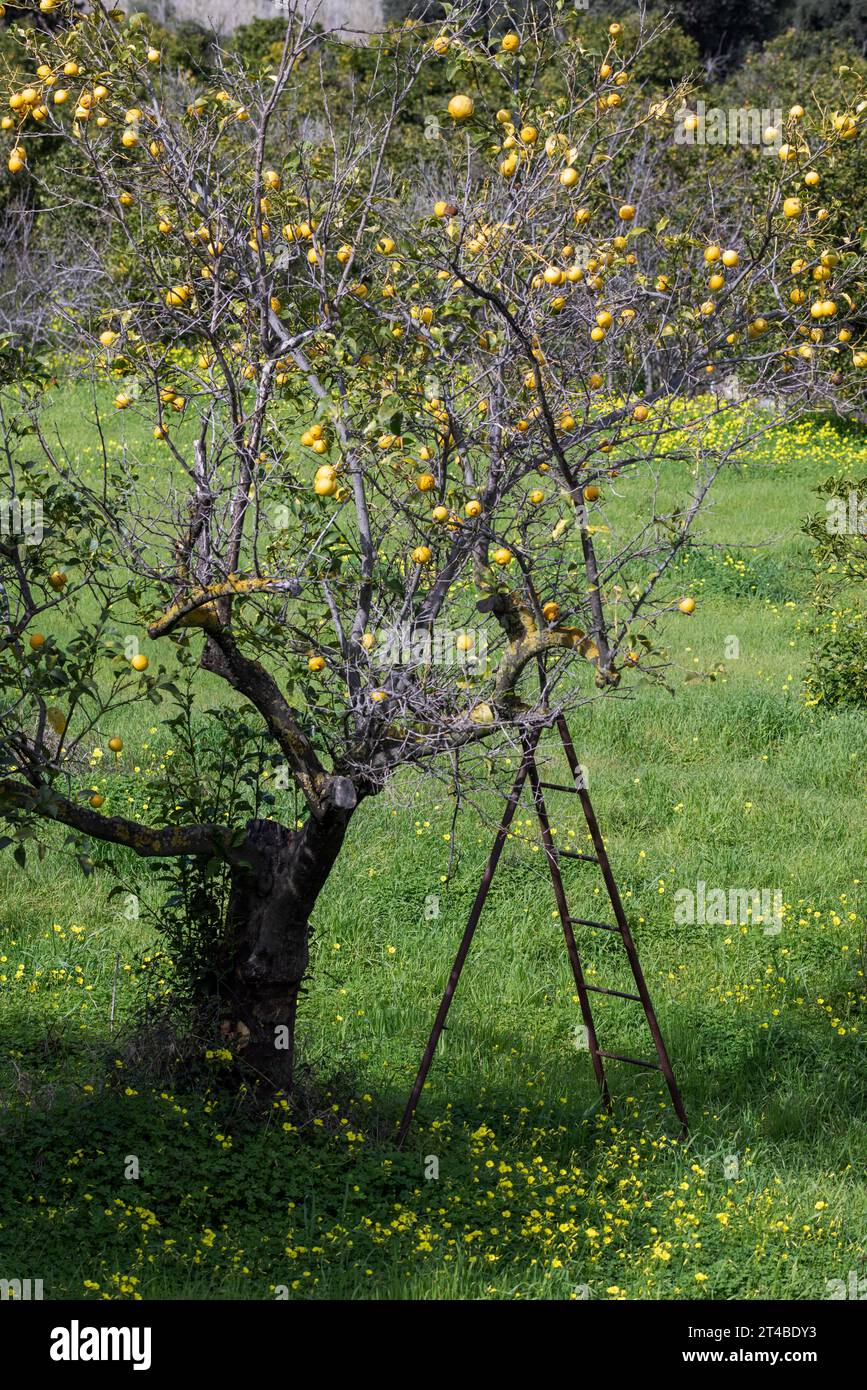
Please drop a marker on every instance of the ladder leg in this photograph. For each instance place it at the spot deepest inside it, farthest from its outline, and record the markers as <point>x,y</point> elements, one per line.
<point>466,940</point>
<point>571,946</point>
<point>620,917</point>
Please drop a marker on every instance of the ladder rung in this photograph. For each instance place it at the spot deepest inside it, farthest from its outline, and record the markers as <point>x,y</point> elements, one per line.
<point>585,922</point>
<point>574,854</point>
<point>620,993</point>
<point>633,1061</point>
<point>558,787</point>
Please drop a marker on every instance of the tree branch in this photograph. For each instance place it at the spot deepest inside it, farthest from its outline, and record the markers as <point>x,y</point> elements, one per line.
<point>42,800</point>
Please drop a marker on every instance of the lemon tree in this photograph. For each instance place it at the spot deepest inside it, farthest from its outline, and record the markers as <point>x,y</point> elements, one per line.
<point>433,440</point>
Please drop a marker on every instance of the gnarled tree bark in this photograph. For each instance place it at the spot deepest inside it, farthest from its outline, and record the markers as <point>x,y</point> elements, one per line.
<point>274,890</point>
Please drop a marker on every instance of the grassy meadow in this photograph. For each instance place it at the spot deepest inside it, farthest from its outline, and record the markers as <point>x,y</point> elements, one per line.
<point>512,1184</point>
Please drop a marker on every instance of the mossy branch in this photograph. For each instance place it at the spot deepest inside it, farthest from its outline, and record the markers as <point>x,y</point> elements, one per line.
<point>43,800</point>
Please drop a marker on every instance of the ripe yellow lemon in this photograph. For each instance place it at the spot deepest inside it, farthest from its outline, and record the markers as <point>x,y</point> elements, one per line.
<point>139,662</point>
<point>56,718</point>
<point>687,605</point>
<point>482,714</point>
<point>461,107</point>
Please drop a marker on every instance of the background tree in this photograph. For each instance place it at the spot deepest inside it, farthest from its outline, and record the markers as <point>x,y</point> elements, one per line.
<point>430,435</point>
<point>837,674</point>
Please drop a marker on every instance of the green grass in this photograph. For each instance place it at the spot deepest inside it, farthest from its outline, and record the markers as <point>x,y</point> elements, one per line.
<point>734,781</point>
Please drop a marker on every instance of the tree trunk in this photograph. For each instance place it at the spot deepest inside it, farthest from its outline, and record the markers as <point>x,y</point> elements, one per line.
<point>268,929</point>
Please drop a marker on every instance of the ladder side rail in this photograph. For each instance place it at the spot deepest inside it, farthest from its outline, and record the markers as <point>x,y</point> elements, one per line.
<point>620,916</point>
<point>566,922</point>
<point>466,939</point>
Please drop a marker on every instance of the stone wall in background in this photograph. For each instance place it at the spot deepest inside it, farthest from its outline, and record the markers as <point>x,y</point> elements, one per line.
<point>363,16</point>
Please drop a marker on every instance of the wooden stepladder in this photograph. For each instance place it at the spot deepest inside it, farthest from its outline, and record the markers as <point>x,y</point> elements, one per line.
<point>529,772</point>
